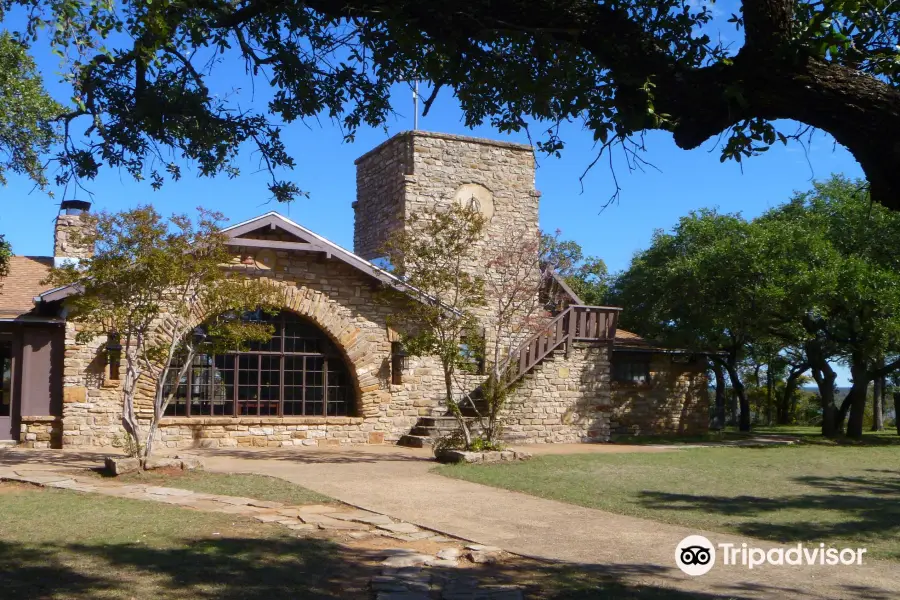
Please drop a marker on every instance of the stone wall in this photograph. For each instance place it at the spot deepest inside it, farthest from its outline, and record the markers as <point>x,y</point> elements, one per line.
<point>675,400</point>
<point>263,432</point>
<point>564,400</point>
<point>416,170</point>
<point>340,300</point>
<point>381,175</point>
<point>40,432</point>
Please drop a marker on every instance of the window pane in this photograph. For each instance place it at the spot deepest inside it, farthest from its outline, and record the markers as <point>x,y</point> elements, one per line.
<point>300,336</point>
<point>270,384</point>
<point>222,385</point>
<point>631,371</point>
<point>178,405</point>
<point>248,384</point>
<point>274,343</point>
<point>293,385</point>
<point>337,388</point>
<point>286,376</point>
<point>315,386</point>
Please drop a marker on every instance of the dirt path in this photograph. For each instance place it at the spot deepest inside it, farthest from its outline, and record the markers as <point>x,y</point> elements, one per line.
<point>637,552</point>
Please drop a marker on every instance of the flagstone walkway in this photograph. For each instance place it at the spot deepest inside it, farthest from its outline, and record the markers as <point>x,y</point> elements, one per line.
<point>392,482</point>
<point>638,553</point>
<point>404,575</point>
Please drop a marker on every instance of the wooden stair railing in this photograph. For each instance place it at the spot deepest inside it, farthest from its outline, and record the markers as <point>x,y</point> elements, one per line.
<point>576,323</point>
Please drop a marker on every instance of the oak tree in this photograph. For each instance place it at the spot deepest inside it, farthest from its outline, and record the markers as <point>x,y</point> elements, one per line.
<point>148,94</point>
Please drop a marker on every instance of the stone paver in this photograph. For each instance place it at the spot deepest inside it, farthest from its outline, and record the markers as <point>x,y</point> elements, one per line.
<point>400,527</point>
<point>636,552</point>
<point>405,574</point>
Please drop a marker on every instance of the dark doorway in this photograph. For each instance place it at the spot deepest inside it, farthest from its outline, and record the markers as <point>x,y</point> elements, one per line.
<point>6,391</point>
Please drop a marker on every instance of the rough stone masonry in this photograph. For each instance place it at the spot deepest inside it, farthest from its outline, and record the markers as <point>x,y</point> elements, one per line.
<point>564,399</point>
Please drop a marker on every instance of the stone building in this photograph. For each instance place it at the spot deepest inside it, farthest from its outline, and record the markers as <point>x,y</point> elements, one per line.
<point>332,374</point>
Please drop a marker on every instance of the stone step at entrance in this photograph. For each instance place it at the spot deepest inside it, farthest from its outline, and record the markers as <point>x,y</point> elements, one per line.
<point>430,429</point>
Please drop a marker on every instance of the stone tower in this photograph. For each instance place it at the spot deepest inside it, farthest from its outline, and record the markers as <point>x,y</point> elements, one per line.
<point>72,218</point>
<point>415,169</point>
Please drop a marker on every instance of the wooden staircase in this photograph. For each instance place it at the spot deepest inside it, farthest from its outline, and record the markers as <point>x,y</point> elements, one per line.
<point>577,323</point>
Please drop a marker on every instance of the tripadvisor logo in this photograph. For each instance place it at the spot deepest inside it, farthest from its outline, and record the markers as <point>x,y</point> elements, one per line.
<point>696,555</point>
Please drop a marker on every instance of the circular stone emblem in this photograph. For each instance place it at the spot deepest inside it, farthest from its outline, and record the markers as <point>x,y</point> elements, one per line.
<point>476,197</point>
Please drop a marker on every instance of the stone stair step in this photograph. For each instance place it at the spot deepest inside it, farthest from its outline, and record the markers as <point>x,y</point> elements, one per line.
<point>431,432</point>
<point>443,421</point>
<point>415,441</point>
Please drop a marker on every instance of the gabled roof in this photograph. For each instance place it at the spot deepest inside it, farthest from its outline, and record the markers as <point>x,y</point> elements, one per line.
<point>627,338</point>
<point>309,241</point>
<point>306,241</point>
<point>22,284</point>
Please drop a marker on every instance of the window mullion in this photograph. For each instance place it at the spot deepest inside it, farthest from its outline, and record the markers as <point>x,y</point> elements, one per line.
<point>237,384</point>
<point>325,384</point>
<point>303,387</point>
<point>187,394</point>
<point>259,385</point>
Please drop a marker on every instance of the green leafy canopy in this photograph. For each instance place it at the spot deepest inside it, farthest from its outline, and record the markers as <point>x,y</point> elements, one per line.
<point>148,94</point>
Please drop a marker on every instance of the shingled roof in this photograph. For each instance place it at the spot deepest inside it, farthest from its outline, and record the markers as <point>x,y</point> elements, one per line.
<point>22,284</point>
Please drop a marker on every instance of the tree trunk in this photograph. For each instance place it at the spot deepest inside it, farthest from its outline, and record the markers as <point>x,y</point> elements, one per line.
<point>129,388</point>
<point>741,393</point>
<point>856,403</point>
<point>733,407</point>
<point>787,406</point>
<point>719,417</point>
<point>825,378</point>
<point>453,406</point>
<point>856,399</point>
<point>878,404</point>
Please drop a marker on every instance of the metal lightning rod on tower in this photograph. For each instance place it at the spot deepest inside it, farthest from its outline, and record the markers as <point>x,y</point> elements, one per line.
<point>416,105</point>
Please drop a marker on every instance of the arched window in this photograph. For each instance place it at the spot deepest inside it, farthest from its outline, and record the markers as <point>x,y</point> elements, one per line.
<point>298,372</point>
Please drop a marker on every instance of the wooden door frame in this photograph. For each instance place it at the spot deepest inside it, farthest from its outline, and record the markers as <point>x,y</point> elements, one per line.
<point>13,334</point>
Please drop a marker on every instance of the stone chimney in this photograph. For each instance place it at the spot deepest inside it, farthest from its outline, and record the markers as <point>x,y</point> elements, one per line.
<point>72,219</point>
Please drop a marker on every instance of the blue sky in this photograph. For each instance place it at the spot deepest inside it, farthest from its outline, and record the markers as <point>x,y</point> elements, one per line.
<point>649,200</point>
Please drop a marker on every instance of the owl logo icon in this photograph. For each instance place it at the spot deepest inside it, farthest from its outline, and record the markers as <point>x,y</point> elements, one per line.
<point>695,555</point>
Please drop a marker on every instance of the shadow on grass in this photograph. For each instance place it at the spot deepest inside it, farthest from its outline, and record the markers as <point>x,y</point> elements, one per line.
<point>856,507</point>
<point>302,568</point>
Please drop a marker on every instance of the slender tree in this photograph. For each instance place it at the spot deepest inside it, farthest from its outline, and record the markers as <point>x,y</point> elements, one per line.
<point>518,273</point>
<point>162,289</point>
<point>721,391</point>
<point>436,255</point>
<point>878,399</point>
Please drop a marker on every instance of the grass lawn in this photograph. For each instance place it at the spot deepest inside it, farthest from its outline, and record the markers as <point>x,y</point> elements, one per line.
<point>807,434</point>
<point>813,435</point>
<point>844,495</point>
<point>62,545</point>
<point>258,487</point>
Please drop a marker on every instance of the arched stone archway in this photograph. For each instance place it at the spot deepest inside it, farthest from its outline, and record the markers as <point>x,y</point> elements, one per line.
<point>363,356</point>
